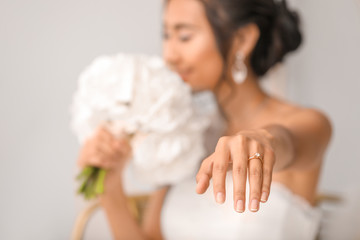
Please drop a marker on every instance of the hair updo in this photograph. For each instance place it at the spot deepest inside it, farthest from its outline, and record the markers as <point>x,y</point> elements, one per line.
<point>279,28</point>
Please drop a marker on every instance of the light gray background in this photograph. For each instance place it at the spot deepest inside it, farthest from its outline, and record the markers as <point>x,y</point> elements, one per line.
<point>45,44</point>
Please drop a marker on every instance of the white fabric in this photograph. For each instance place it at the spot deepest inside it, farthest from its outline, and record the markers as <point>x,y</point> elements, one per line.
<point>186,215</point>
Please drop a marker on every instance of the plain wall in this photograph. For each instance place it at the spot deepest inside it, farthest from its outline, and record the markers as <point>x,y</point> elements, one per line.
<point>325,74</point>
<point>44,45</point>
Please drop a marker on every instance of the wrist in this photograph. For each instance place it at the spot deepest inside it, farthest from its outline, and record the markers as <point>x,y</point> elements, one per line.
<point>113,182</point>
<point>268,133</point>
<point>282,143</point>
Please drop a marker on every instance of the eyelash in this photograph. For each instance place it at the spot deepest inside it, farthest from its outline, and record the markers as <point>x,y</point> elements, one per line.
<point>185,38</point>
<point>181,38</point>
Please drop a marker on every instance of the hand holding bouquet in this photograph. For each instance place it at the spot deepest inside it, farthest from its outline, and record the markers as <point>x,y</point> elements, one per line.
<point>137,96</point>
<point>102,151</point>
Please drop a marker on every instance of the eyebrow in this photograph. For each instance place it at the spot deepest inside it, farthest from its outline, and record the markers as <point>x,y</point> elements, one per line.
<point>179,26</point>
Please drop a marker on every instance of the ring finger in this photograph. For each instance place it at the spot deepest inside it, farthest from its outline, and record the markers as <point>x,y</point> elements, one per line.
<point>255,176</point>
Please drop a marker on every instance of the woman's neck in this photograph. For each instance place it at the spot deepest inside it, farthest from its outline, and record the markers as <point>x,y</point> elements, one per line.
<point>241,102</point>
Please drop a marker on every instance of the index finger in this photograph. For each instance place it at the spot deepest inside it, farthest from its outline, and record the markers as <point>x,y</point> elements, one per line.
<point>204,175</point>
<point>221,163</point>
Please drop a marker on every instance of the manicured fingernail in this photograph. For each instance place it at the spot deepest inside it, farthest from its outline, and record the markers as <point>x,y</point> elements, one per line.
<point>220,197</point>
<point>264,197</point>
<point>240,206</point>
<point>198,187</point>
<point>254,205</point>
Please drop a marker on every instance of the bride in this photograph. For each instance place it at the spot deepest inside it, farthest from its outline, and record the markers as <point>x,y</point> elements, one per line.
<point>270,150</point>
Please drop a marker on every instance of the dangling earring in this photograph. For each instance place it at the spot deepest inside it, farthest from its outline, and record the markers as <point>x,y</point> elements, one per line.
<point>239,70</point>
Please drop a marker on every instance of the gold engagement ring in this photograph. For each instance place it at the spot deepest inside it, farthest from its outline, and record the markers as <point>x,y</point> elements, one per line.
<point>257,156</point>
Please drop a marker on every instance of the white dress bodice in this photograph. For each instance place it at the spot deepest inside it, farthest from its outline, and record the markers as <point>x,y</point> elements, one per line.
<point>187,215</point>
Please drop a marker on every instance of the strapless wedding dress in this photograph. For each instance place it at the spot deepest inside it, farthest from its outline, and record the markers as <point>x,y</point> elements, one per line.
<point>285,216</point>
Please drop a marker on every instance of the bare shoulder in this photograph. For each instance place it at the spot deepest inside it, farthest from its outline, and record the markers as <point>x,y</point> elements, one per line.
<point>312,120</point>
<point>310,125</point>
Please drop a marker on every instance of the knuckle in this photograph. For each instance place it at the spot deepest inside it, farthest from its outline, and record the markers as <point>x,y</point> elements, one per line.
<point>218,167</point>
<point>240,192</point>
<point>255,194</point>
<point>241,138</point>
<point>202,166</point>
<point>255,172</point>
<point>218,186</point>
<point>270,152</point>
<point>266,187</point>
<point>198,177</point>
<point>222,141</point>
<point>239,170</point>
<point>204,163</point>
<point>267,173</point>
<point>239,196</point>
<point>255,143</point>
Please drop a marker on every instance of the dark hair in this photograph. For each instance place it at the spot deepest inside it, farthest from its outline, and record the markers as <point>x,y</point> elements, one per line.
<point>279,28</point>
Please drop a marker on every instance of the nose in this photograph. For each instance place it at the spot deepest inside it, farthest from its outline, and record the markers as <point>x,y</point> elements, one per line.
<point>170,54</point>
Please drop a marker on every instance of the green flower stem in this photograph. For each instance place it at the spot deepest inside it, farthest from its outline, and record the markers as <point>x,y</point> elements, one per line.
<point>92,182</point>
<point>99,185</point>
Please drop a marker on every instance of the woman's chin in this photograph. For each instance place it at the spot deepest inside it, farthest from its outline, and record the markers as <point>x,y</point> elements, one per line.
<point>184,78</point>
<point>195,89</point>
<point>196,86</point>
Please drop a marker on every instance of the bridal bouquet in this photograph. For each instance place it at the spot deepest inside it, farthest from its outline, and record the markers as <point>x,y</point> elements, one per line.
<point>139,96</point>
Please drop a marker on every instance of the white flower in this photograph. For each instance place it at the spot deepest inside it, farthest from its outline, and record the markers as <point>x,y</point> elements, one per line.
<point>139,94</point>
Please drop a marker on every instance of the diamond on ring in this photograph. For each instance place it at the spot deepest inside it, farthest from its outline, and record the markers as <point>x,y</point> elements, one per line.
<point>257,156</point>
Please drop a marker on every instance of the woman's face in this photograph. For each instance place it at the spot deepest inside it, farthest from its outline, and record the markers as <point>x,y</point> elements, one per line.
<point>189,45</point>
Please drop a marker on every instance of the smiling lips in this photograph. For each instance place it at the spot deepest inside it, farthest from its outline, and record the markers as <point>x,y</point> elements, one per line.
<point>184,74</point>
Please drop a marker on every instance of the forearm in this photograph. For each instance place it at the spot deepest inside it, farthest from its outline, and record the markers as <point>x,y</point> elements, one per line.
<point>121,221</point>
<point>282,143</point>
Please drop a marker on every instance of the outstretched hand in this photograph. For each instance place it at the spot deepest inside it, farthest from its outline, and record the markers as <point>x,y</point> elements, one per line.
<point>233,152</point>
